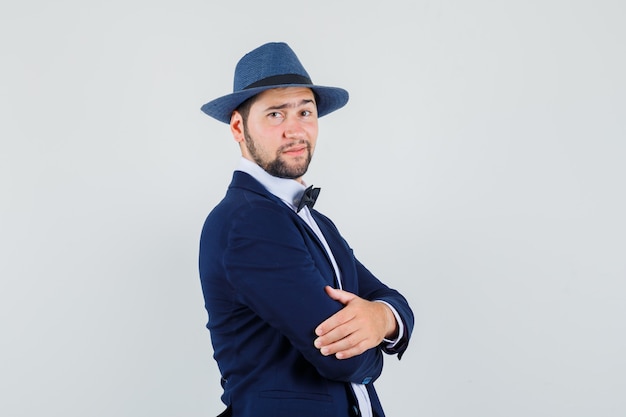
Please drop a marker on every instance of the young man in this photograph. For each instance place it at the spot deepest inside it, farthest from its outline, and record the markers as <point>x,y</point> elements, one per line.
<point>298,324</point>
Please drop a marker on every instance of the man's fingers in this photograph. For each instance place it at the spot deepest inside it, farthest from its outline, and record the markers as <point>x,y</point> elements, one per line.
<point>346,347</point>
<point>333,322</point>
<point>333,335</point>
<point>339,318</point>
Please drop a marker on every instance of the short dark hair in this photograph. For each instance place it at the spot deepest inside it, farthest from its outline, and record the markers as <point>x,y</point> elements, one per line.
<point>244,109</point>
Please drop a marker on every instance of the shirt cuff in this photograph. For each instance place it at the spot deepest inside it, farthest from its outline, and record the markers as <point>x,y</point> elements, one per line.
<point>394,342</point>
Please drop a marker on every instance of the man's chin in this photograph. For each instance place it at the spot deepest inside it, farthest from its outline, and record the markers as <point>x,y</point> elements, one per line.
<point>291,173</point>
<point>292,169</point>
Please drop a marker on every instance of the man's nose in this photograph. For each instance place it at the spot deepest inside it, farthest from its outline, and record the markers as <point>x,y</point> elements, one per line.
<point>294,129</point>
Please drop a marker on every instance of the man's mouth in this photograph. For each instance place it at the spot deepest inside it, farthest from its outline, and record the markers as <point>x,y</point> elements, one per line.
<point>295,149</point>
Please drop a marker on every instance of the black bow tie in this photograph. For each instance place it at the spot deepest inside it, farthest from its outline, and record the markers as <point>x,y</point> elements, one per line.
<point>308,198</point>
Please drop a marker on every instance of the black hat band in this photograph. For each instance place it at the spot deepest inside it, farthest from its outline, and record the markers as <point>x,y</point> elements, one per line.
<point>280,80</point>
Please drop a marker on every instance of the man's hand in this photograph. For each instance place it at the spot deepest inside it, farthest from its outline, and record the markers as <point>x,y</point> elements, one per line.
<point>359,326</point>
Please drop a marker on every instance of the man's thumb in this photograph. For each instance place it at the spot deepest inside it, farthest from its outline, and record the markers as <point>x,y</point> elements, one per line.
<point>339,295</point>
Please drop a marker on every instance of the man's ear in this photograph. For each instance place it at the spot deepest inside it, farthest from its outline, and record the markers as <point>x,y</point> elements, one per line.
<point>236,127</point>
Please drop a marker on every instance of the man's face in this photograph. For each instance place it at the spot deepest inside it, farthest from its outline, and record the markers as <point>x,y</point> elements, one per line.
<point>281,131</point>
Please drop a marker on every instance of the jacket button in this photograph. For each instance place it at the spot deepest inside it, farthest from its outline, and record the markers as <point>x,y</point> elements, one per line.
<point>355,411</point>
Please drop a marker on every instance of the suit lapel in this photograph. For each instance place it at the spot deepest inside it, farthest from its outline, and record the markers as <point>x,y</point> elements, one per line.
<point>341,252</point>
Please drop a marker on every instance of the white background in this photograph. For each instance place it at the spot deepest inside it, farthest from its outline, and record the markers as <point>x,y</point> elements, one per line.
<point>485,139</point>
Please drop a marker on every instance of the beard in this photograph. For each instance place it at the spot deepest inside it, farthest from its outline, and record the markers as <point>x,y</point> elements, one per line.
<point>278,167</point>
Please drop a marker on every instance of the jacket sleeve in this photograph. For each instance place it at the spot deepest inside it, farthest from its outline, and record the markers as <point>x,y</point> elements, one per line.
<point>272,269</point>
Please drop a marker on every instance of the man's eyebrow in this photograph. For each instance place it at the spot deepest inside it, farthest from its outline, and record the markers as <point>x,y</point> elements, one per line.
<point>290,105</point>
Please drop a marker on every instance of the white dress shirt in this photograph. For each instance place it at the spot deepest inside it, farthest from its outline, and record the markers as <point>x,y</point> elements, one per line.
<point>288,191</point>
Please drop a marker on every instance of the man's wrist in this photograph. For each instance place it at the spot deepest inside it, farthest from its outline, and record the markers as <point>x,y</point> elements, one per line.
<point>399,327</point>
<point>391,327</point>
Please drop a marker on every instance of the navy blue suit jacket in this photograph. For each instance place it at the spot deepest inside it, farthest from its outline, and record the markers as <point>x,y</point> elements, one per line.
<point>263,272</point>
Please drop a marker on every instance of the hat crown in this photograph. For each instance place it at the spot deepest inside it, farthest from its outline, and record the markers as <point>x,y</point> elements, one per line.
<point>269,60</point>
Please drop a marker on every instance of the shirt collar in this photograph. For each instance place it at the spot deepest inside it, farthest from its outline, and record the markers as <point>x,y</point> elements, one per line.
<point>287,190</point>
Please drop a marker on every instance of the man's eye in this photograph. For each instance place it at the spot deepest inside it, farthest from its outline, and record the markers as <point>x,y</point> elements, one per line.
<point>307,112</point>
<point>274,114</point>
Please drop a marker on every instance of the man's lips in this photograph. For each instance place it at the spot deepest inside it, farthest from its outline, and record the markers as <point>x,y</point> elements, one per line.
<point>297,150</point>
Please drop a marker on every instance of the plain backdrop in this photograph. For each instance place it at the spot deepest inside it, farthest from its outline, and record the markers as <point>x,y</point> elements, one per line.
<point>479,168</point>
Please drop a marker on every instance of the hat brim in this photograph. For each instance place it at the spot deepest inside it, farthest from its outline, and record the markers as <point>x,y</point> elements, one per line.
<point>329,99</point>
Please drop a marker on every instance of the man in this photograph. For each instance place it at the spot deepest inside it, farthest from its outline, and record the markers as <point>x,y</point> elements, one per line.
<point>298,324</point>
